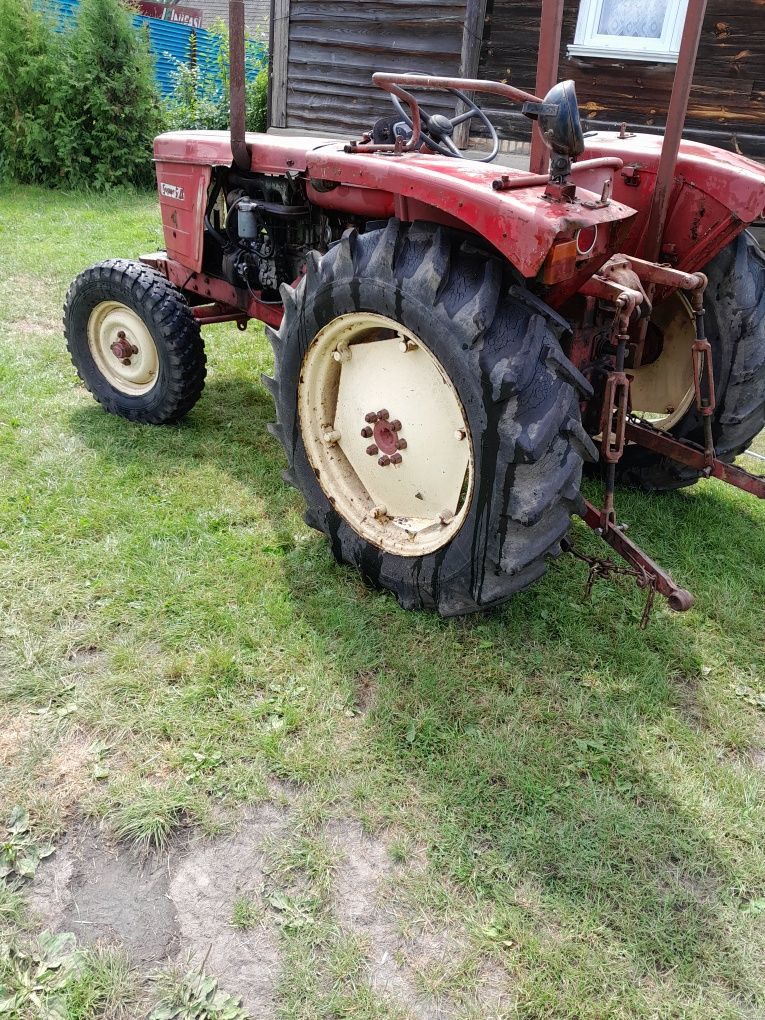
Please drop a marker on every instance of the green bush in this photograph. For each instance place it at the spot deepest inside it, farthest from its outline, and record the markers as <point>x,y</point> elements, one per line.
<point>199,99</point>
<point>32,87</point>
<point>114,103</point>
<point>78,108</point>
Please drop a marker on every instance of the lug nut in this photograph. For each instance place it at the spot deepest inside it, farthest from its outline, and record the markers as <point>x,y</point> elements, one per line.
<point>126,361</point>
<point>446,517</point>
<point>378,511</point>
<point>401,444</point>
<point>407,345</point>
<point>459,434</point>
<point>332,437</point>
<point>395,425</point>
<point>366,432</point>
<point>342,353</point>
<point>384,461</point>
<point>396,458</point>
<point>371,417</point>
<point>384,414</point>
<point>372,450</point>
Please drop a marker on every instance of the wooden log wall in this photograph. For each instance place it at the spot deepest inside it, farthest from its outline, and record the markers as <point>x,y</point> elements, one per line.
<point>727,103</point>
<point>330,48</point>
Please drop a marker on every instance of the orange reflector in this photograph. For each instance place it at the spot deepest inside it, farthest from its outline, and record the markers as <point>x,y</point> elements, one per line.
<point>560,263</point>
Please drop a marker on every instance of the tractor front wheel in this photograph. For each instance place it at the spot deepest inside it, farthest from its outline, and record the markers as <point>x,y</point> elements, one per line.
<point>429,417</point>
<point>134,342</point>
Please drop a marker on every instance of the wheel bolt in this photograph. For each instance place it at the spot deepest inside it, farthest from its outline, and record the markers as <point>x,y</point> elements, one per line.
<point>401,444</point>
<point>395,425</point>
<point>383,414</point>
<point>372,450</point>
<point>371,417</point>
<point>384,461</point>
<point>396,458</point>
<point>366,432</point>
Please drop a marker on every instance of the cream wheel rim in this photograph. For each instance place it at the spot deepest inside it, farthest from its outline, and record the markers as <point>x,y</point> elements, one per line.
<point>662,391</point>
<point>386,434</point>
<point>122,348</point>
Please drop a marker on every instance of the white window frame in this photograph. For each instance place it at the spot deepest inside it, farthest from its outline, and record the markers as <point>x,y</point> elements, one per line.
<point>588,42</point>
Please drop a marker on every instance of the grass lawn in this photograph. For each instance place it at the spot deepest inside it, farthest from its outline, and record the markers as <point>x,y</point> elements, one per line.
<point>580,804</point>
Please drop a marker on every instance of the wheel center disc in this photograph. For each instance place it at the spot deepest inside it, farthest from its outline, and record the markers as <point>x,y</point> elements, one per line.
<point>400,474</point>
<point>123,348</point>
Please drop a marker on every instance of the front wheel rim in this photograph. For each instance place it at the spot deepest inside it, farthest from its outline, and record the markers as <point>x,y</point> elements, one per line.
<point>386,434</point>
<point>122,348</point>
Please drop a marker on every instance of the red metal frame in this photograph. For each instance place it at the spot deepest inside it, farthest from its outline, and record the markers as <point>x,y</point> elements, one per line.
<point>694,456</point>
<point>673,133</point>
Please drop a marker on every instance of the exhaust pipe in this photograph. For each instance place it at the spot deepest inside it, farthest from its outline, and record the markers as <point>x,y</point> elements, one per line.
<point>236,83</point>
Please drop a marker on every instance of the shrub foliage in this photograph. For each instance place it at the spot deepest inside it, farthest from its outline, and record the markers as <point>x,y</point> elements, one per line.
<point>78,108</point>
<point>199,99</point>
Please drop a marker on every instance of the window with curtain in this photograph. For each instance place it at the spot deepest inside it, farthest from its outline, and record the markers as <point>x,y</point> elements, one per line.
<point>629,29</point>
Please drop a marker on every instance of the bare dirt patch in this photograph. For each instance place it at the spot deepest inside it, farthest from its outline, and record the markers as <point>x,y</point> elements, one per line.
<point>104,894</point>
<point>33,327</point>
<point>366,691</point>
<point>15,731</point>
<point>203,889</point>
<point>170,908</point>
<point>417,966</point>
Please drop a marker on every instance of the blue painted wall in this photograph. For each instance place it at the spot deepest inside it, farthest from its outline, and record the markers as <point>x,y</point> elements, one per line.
<point>167,40</point>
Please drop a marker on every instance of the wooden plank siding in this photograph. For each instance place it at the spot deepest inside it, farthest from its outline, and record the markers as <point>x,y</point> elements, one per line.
<point>324,53</point>
<point>727,103</point>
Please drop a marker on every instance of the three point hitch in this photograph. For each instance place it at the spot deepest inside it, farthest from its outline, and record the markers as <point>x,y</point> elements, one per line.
<point>627,284</point>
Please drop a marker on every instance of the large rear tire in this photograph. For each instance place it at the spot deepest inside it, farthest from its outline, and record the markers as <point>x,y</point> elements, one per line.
<point>521,443</point>
<point>735,326</point>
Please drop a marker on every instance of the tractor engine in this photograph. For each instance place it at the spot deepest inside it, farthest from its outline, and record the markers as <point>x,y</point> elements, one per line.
<point>258,228</point>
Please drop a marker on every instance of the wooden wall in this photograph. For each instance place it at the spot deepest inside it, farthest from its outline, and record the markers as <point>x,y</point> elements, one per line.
<point>727,104</point>
<point>325,51</point>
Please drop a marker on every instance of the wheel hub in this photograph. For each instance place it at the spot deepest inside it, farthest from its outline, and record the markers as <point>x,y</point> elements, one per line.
<point>420,500</point>
<point>386,435</point>
<point>122,348</point>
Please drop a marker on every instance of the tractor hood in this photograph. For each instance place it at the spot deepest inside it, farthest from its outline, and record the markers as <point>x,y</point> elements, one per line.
<point>521,223</point>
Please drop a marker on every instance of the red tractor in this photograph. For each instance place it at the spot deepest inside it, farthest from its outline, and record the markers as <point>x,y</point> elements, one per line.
<point>455,340</point>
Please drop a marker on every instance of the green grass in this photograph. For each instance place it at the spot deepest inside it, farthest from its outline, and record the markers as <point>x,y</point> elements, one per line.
<point>584,792</point>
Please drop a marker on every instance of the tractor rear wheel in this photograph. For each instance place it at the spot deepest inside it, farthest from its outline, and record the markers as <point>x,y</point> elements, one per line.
<point>663,389</point>
<point>429,417</point>
<point>134,342</point>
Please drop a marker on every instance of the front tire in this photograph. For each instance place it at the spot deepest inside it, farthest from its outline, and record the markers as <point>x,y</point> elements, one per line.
<point>498,350</point>
<point>134,342</point>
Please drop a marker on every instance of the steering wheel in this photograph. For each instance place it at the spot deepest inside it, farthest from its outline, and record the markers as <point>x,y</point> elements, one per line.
<point>437,129</point>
